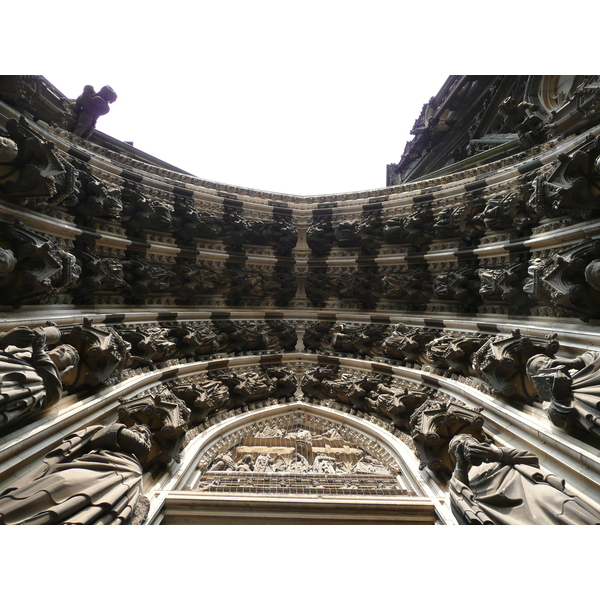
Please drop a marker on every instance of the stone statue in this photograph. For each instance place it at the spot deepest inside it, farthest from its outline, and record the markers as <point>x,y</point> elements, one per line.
<point>33,268</point>
<point>93,478</point>
<point>320,237</point>
<point>570,389</point>
<point>568,280</point>
<point>35,174</point>
<point>89,106</point>
<point>202,399</point>
<point>31,381</point>
<point>504,486</point>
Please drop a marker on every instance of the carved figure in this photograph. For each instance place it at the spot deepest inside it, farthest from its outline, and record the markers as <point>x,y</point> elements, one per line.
<point>202,399</point>
<point>570,389</point>
<point>94,199</point>
<point>503,284</point>
<point>103,354</point>
<point>320,237</point>
<point>148,345</point>
<point>146,278</point>
<point>459,285</point>
<point>395,404</point>
<point>100,274</point>
<point>29,383</point>
<point>33,268</point>
<point>409,286</point>
<point>93,477</point>
<point>454,352</point>
<point>406,343</point>
<point>520,117</point>
<point>89,106</point>
<point>502,361</point>
<point>568,280</point>
<point>504,486</point>
<point>35,174</point>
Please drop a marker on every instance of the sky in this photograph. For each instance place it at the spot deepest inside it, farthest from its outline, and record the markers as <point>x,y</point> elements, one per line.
<point>306,98</point>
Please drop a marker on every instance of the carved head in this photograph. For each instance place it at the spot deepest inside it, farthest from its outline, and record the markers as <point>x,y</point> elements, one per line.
<point>65,357</point>
<point>536,363</point>
<point>8,262</point>
<point>592,274</point>
<point>108,94</point>
<point>8,150</point>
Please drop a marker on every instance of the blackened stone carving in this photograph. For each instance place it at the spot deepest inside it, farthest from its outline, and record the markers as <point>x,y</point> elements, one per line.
<point>104,353</point>
<point>282,234</point>
<point>140,213</point>
<point>459,285</point>
<point>502,360</point>
<point>520,117</point>
<point>363,286</point>
<point>146,278</point>
<point>165,416</point>
<point>312,382</point>
<point>568,280</point>
<point>35,174</point>
<point>459,222</point>
<point>410,286</point>
<point>195,340</point>
<point>281,335</point>
<point>89,106</point>
<point>395,404</point>
<point>33,269</point>
<point>506,212</point>
<point>190,280</point>
<point>287,286</point>
<point>435,423</point>
<point>242,336</point>
<point>505,486</point>
<point>572,189</point>
<point>569,388</point>
<point>203,399</point>
<point>29,383</point>
<point>346,234</point>
<point>93,478</point>
<point>148,344</point>
<point>95,200</point>
<point>415,229</point>
<point>407,343</point>
<point>320,237</point>
<point>321,383</point>
<point>317,336</point>
<point>503,284</point>
<point>275,382</point>
<point>236,230</point>
<point>358,339</point>
<point>453,352</point>
<point>99,275</point>
<point>319,287</point>
<point>195,223</point>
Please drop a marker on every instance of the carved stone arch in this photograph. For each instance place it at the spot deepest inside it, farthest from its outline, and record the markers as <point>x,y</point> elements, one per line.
<point>418,497</point>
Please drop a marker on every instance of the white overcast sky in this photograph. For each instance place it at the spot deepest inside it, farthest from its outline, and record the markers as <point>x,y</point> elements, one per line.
<point>294,97</point>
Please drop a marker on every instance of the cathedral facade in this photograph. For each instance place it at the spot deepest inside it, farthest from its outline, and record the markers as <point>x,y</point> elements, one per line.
<point>178,351</point>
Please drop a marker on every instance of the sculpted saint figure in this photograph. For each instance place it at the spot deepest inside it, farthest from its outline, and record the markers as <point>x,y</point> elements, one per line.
<point>504,486</point>
<point>31,381</point>
<point>93,478</point>
<point>91,105</point>
<point>570,388</point>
